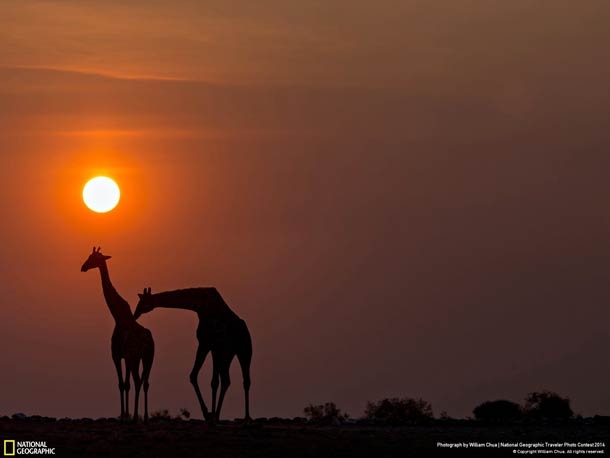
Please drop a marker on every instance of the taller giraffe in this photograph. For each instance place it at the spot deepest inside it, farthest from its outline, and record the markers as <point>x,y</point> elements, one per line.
<point>220,332</point>
<point>130,341</point>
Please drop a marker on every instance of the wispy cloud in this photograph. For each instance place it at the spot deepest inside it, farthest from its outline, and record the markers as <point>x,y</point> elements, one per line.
<point>97,73</point>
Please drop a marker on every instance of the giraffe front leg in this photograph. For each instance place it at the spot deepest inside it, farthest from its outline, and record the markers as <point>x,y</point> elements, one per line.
<point>199,359</point>
<point>119,371</point>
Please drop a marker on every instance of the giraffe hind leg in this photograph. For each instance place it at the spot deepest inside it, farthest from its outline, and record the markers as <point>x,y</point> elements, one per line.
<point>126,388</point>
<point>245,359</point>
<point>214,384</point>
<point>225,382</point>
<point>137,384</point>
<point>244,356</point>
<point>147,362</point>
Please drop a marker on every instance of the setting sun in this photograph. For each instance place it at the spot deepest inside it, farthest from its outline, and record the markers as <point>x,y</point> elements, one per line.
<point>101,194</point>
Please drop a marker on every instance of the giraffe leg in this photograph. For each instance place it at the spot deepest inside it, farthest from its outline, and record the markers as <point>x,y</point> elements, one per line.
<point>202,352</point>
<point>137,384</point>
<point>225,381</point>
<point>119,371</point>
<point>126,388</point>
<point>146,367</point>
<point>214,385</point>
<point>244,361</point>
<point>145,384</point>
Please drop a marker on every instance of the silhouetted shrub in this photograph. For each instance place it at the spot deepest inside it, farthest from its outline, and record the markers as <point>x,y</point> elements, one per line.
<point>500,411</point>
<point>184,413</point>
<point>324,414</point>
<point>160,415</point>
<point>397,411</point>
<point>546,404</point>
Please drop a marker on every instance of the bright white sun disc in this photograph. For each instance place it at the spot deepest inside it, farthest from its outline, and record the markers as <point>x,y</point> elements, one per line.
<point>101,194</point>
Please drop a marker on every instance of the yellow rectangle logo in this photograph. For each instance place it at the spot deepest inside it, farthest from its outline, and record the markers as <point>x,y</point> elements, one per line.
<point>7,447</point>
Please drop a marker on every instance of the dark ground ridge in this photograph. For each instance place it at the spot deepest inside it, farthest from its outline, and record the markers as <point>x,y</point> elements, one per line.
<point>278,437</point>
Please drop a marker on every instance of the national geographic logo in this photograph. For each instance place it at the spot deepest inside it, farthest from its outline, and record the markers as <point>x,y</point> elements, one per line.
<point>12,448</point>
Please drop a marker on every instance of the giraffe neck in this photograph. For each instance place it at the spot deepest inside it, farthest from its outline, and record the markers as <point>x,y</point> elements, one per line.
<point>165,300</point>
<point>206,302</point>
<point>119,308</point>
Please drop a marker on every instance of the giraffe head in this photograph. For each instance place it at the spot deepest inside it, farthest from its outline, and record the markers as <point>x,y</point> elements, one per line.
<point>95,259</point>
<point>145,303</point>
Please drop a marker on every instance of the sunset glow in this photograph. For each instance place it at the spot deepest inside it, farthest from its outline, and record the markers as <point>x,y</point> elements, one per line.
<point>401,198</point>
<point>101,194</point>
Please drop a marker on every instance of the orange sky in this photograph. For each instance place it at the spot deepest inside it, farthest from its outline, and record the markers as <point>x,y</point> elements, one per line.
<point>401,198</point>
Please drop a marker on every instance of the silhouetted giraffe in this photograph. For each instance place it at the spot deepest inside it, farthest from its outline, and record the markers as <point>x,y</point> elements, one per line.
<point>130,341</point>
<point>220,332</point>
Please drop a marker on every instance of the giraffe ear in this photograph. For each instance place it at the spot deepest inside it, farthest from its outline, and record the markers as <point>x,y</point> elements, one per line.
<point>140,295</point>
<point>107,257</point>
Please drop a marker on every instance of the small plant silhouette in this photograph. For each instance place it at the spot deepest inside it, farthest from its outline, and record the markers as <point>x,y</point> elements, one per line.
<point>327,413</point>
<point>444,415</point>
<point>184,413</point>
<point>397,411</point>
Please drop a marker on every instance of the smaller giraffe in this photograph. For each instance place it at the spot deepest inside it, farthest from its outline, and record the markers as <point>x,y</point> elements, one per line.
<point>130,340</point>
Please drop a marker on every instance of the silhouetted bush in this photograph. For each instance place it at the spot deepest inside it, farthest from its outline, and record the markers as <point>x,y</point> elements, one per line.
<point>324,414</point>
<point>444,416</point>
<point>499,411</point>
<point>160,415</point>
<point>184,413</point>
<point>546,404</point>
<point>397,411</point>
